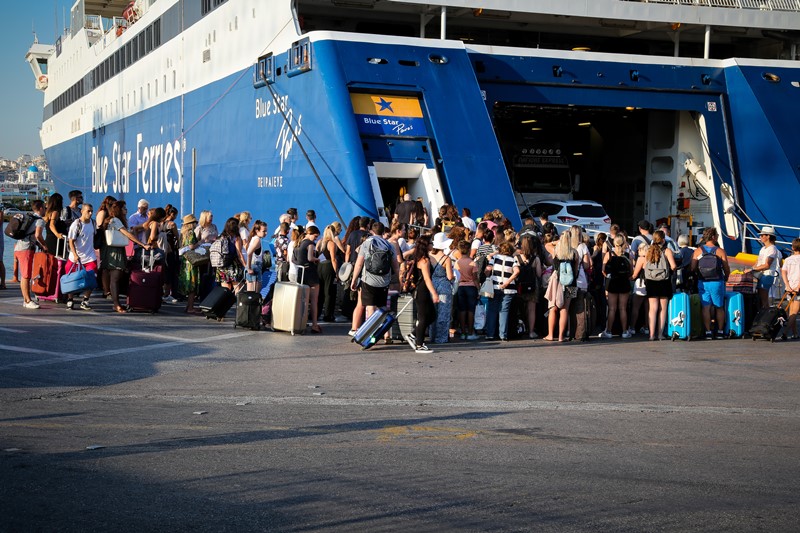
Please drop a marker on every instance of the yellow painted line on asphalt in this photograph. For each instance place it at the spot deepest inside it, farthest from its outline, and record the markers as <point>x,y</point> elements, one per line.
<point>392,433</point>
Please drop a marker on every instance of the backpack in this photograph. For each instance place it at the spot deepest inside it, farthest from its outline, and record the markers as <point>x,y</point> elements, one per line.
<point>20,226</point>
<point>527,281</point>
<point>481,263</point>
<point>379,260</point>
<point>709,266</point>
<point>408,281</point>
<point>618,267</point>
<point>657,271</point>
<point>219,253</point>
<point>566,274</point>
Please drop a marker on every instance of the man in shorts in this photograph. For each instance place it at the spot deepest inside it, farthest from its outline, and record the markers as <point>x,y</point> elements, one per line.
<point>23,254</point>
<point>712,287</point>
<point>374,287</point>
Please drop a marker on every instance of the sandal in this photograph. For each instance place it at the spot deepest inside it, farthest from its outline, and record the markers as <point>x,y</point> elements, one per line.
<point>316,329</point>
<point>120,309</point>
<point>549,339</point>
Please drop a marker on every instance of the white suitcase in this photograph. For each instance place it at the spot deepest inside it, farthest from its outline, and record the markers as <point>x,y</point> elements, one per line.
<point>290,307</point>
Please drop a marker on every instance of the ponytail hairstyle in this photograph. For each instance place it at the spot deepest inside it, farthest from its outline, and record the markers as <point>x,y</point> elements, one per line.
<point>656,248</point>
<point>254,230</point>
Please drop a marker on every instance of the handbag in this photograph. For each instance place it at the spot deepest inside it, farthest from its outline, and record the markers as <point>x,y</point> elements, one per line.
<point>195,258</point>
<point>116,238</point>
<point>487,288</point>
<point>571,291</point>
<point>455,281</point>
<point>80,280</point>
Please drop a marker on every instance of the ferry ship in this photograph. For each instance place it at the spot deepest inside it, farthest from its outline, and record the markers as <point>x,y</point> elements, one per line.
<point>678,110</point>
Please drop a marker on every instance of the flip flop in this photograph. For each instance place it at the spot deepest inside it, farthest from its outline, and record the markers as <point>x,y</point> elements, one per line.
<point>549,340</point>
<point>316,329</point>
<point>120,309</point>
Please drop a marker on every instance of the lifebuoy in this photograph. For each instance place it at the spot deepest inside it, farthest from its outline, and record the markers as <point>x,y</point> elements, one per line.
<point>43,80</point>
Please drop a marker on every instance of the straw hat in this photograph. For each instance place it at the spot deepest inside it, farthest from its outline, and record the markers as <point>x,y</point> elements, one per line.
<point>441,242</point>
<point>189,219</point>
<point>767,230</point>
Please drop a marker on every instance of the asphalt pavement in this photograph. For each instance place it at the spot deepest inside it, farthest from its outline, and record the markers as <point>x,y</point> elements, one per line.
<point>169,422</point>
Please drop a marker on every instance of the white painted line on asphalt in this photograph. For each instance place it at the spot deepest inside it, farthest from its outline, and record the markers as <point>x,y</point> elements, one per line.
<point>474,404</point>
<point>12,330</point>
<point>58,358</point>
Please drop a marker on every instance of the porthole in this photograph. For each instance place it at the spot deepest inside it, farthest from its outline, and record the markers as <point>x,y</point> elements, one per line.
<point>770,77</point>
<point>437,59</point>
<point>376,61</point>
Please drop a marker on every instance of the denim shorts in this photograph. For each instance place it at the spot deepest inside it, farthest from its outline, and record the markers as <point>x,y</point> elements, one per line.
<point>712,293</point>
<point>765,281</point>
<point>466,298</point>
<point>254,277</point>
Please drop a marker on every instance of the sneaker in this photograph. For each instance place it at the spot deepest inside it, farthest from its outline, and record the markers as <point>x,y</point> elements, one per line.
<point>644,331</point>
<point>31,305</point>
<point>709,335</point>
<point>719,335</point>
<point>422,349</point>
<point>463,337</point>
<point>472,337</point>
<point>631,332</point>
<point>533,335</point>
<point>170,300</point>
<point>412,341</point>
<point>352,332</point>
<point>627,334</point>
<point>85,305</point>
<point>605,335</point>
<point>70,305</point>
<point>34,298</point>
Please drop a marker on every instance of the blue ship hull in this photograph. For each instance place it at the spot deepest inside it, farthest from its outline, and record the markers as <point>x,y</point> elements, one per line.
<point>248,159</point>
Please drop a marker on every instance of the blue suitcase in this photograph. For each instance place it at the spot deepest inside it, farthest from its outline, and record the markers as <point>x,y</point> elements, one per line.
<point>376,326</point>
<point>734,315</point>
<point>679,321</point>
<point>373,329</point>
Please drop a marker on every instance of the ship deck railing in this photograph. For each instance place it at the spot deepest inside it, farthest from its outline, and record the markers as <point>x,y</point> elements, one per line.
<point>751,231</point>
<point>760,5</point>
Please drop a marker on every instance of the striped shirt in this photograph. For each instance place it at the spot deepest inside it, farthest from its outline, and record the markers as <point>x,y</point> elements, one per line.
<point>502,270</point>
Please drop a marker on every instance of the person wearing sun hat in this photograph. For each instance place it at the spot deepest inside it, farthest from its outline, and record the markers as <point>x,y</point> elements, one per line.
<point>768,264</point>
<point>441,276</point>
<point>189,275</point>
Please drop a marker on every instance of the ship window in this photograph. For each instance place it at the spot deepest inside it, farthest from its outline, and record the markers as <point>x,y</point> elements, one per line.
<point>299,57</point>
<point>140,40</point>
<point>157,33</point>
<point>148,35</point>
<point>408,63</point>
<point>165,83</point>
<point>205,7</point>
<point>134,50</point>
<point>174,80</point>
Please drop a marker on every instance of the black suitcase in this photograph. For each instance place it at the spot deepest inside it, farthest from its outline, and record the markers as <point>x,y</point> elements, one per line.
<point>769,322</point>
<point>217,303</point>
<point>248,310</point>
<point>582,316</point>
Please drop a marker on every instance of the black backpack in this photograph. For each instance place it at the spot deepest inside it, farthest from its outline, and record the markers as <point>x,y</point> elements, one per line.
<point>379,259</point>
<point>618,267</point>
<point>709,266</point>
<point>527,281</point>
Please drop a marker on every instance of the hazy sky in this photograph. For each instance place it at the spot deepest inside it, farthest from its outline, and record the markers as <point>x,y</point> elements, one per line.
<point>20,102</point>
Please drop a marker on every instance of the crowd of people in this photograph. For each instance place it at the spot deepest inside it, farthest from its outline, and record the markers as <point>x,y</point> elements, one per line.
<point>466,276</point>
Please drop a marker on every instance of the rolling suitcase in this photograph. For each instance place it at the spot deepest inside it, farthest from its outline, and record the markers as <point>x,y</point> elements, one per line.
<point>769,322</point>
<point>405,320</point>
<point>679,317</point>
<point>582,316</point>
<point>218,302</point>
<point>290,306</point>
<point>145,290</point>
<point>696,327</point>
<point>734,315</point>
<point>248,310</point>
<point>376,326</point>
<point>44,278</point>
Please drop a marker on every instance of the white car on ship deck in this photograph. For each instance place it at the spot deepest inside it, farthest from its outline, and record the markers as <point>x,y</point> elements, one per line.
<point>589,215</point>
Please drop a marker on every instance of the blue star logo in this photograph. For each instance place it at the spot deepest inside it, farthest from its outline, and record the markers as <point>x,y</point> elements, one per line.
<point>385,105</point>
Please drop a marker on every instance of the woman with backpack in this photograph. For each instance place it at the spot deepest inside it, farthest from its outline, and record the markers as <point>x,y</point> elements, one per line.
<point>617,270</point>
<point>658,264</point>
<point>306,258</point>
<point>530,278</point>
<point>562,288</point>
<point>232,270</point>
